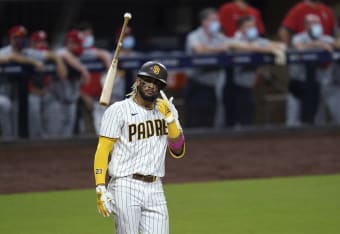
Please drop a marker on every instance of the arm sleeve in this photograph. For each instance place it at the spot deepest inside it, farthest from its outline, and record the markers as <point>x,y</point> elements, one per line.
<point>181,155</point>
<point>101,157</point>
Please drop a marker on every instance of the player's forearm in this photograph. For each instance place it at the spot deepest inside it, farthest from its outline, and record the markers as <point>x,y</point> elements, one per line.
<point>177,147</point>
<point>206,49</point>
<point>4,59</point>
<point>101,157</point>
<point>18,58</point>
<point>104,56</point>
<point>61,68</point>
<point>60,65</point>
<point>74,62</point>
<point>176,141</point>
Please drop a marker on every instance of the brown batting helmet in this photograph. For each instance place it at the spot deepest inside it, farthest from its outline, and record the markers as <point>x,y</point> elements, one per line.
<point>154,70</point>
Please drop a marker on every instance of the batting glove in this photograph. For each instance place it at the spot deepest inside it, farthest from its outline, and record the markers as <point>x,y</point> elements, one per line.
<point>104,201</point>
<point>165,103</point>
<point>163,106</point>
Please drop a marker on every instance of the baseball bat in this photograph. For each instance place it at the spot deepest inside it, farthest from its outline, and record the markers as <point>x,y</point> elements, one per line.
<point>105,96</point>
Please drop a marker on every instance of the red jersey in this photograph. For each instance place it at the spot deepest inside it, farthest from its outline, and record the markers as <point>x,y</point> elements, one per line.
<point>230,13</point>
<point>295,19</point>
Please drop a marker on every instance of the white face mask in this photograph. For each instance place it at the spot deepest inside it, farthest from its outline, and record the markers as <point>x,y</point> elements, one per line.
<point>316,30</point>
<point>89,41</point>
<point>128,42</point>
<point>214,27</point>
<point>252,33</point>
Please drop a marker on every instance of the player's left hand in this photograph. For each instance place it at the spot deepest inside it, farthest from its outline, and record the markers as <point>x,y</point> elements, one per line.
<point>163,105</point>
<point>104,201</point>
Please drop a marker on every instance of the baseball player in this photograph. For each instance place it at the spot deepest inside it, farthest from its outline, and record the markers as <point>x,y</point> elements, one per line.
<point>41,114</point>
<point>138,131</point>
<point>70,88</point>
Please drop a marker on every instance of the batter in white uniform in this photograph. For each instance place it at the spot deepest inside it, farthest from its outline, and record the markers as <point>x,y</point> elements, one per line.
<point>138,131</point>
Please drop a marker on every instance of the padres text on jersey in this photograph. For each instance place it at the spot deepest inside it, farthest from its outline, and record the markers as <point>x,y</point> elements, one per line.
<point>141,139</point>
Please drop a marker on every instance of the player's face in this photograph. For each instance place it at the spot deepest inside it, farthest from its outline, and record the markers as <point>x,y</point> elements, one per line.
<point>148,88</point>
<point>74,47</point>
<point>18,42</point>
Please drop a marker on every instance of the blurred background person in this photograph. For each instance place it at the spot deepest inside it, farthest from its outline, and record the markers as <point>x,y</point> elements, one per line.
<point>245,76</point>
<point>14,52</point>
<point>41,114</point>
<point>6,124</point>
<point>231,12</point>
<point>294,21</point>
<point>305,80</point>
<point>204,89</point>
<point>90,111</point>
<point>125,78</point>
<point>70,87</point>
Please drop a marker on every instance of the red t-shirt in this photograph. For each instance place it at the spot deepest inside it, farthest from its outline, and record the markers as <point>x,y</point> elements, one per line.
<point>230,13</point>
<point>294,20</point>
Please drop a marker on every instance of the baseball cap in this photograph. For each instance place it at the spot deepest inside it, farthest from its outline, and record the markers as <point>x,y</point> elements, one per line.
<point>17,31</point>
<point>39,36</point>
<point>75,35</point>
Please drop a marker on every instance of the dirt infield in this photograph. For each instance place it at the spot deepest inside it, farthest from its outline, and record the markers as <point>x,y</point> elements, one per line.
<point>54,166</point>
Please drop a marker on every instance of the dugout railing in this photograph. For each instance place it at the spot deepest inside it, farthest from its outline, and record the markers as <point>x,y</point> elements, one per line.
<point>173,60</point>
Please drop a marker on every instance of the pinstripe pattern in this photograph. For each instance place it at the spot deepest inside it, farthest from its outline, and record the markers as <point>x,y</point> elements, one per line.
<point>139,207</point>
<point>145,156</point>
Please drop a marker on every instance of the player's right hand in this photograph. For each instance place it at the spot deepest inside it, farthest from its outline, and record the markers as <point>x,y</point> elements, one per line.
<point>104,201</point>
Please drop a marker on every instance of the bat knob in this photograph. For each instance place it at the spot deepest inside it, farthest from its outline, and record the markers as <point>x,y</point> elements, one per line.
<point>127,15</point>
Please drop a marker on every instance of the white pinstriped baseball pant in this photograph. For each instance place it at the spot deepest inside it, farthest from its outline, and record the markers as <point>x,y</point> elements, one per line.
<point>139,207</point>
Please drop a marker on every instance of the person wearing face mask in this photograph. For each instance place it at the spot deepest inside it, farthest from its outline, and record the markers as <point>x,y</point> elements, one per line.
<point>294,21</point>
<point>128,44</point>
<point>231,12</point>
<point>309,84</point>
<point>90,111</point>
<point>245,76</point>
<point>87,30</point>
<point>204,89</point>
<point>125,78</point>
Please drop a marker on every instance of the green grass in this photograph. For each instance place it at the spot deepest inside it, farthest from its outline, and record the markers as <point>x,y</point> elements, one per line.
<point>301,205</point>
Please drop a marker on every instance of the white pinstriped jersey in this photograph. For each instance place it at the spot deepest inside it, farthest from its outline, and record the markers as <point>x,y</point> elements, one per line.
<point>142,139</point>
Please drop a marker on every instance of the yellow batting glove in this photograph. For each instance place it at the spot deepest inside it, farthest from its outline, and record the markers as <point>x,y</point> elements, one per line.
<point>163,107</point>
<point>104,201</point>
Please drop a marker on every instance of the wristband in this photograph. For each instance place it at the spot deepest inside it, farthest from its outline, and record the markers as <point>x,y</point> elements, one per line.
<point>100,189</point>
<point>178,143</point>
<point>170,118</point>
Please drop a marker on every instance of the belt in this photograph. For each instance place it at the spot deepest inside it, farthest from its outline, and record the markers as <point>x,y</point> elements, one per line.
<point>145,178</point>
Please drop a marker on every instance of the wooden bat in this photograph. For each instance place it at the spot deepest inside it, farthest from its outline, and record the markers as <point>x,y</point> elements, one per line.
<point>105,96</point>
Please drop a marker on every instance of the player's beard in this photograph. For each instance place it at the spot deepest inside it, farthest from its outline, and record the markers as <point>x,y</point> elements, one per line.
<point>144,96</point>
